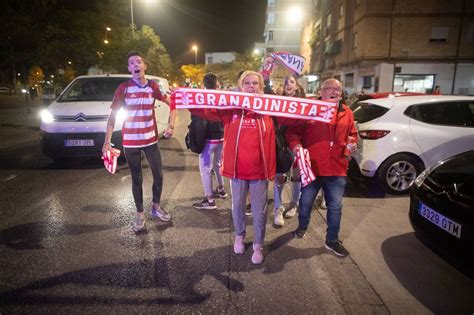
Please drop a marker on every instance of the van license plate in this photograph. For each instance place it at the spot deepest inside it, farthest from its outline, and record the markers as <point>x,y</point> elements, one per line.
<point>440,220</point>
<point>79,143</point>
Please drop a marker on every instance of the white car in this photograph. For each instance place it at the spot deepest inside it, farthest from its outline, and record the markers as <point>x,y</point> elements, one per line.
<point>400,137</point>
<point>74,124</point>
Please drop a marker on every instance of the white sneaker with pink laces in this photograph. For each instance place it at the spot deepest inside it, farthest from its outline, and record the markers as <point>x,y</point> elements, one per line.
<point>239,245</point>
<point>257,256</point>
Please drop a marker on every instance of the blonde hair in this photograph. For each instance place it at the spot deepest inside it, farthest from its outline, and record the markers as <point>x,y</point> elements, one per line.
<point>250,72</point>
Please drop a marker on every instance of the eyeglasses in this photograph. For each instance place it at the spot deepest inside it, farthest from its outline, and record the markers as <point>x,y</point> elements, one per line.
<point>330,88</point>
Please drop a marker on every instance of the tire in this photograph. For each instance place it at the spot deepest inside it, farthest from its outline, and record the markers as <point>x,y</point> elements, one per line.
<point>398,173</point>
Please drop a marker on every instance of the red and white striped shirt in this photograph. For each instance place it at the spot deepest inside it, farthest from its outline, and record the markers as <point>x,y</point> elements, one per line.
<point>139,128</point>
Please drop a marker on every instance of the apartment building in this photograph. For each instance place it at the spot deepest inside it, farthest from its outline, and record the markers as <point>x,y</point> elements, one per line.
<point>218,57</point>
<point>392,45</point>
<point>283,25</point>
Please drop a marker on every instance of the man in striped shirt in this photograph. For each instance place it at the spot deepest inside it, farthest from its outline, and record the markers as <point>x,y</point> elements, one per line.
<point>139,132</point>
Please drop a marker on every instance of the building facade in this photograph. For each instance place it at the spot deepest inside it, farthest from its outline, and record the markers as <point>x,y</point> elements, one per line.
<point>219,57</point>
<point>282,32</point>
<point>392,45</point>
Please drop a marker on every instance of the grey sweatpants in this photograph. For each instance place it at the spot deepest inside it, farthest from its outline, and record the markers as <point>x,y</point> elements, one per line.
<point>258,190</point>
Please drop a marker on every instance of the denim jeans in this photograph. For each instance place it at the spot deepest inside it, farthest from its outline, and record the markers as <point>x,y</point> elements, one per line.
<point>210,159</point>
<point>333,187</point>
<point>258,190</point>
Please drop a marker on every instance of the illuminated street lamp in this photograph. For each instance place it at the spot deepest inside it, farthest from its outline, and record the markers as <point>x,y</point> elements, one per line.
<point>195,48</point>
<point>294,15</point>
<point>131,15</point>
<point>107,29</point>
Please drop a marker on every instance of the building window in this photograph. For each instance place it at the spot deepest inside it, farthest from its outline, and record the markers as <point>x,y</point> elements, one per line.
<point>269,49</point>
<point>420,83</point>
<point>349,80</point>
<point>354,40</point>
<point>439,34</point>
<point>209,60</point>
<point>328,24</point>
<point>270,35</point>
<point>367,82</point>
<point>271,18</point>
<point>271,3</point>
<point>341,10</point>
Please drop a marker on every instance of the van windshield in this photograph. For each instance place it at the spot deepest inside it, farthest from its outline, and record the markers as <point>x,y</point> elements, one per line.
<point>91,90</point>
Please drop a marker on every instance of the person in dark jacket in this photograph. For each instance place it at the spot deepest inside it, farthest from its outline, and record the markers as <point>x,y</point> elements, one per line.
<point>211,156</point>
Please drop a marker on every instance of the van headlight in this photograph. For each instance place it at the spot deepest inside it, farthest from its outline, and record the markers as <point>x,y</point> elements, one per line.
<point>46,116</point>
<point>121,115</point>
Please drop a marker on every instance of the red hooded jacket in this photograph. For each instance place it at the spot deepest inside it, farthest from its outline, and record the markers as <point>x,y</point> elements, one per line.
<point>326,143</point>
<point>239,160</point>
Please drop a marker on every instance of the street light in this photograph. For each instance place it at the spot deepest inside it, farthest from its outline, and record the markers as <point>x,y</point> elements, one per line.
<point>107,29</point>
<point>131,15</point>
<point>195,48</point>
<point>294,15</point>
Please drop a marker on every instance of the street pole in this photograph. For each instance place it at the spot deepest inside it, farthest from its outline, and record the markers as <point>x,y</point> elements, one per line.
<point>133,24</point>
<point>195,48</point>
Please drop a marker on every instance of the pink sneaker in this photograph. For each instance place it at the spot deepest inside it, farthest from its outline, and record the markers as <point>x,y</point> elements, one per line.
<point>239,245</point>
<point>257,257</point>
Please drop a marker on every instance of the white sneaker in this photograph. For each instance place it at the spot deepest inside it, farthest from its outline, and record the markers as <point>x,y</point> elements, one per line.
<point>138,224</point>
<point>291,212</point>
<point>278,213</point>
<point>257,256</point>
<point>322,205</point>
<point>239,245</point>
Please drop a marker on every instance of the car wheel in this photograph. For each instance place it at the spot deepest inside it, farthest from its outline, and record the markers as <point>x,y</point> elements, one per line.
<point>398,173</point>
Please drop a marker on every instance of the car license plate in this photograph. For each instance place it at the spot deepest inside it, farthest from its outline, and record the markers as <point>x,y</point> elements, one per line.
<point>440,220</point>
<point>79,143</point>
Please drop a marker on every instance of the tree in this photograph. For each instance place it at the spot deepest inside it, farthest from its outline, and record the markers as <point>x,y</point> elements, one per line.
<point>229,71</point>
<point>35,76</point>
<point>194,72</point>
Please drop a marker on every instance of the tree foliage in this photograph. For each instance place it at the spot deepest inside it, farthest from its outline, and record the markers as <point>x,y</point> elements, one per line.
<point>194,72</point>
<point>228,71</point>
<point>52,33</point>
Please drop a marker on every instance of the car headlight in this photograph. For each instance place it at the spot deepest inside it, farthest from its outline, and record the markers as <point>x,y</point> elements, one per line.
<point>421,178</point>
<point>46,116</point>
<point>121,115</point>
<point>423,175</point>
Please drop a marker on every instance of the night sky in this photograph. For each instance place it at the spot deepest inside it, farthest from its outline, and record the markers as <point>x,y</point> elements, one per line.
<point>213,25</point>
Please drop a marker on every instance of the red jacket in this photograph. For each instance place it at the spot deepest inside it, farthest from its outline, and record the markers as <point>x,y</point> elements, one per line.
<point>256,164</point>
<point>326,143</point>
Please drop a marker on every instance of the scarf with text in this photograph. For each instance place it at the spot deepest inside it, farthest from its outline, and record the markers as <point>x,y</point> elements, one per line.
<point>274,105</point>
<point>110,160</point>
<point>292,62</point>
<point>304,165</point>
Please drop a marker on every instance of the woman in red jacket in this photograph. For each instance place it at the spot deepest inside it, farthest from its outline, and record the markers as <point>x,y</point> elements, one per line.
<point>248,161</point>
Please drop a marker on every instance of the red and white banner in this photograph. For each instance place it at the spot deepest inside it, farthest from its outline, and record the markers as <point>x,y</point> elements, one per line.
<point>274,105</point>
<point>304,165</point>
<point>292,62</point>
<point>110,160</point>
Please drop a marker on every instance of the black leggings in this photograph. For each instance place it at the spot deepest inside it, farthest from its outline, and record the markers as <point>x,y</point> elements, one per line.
<point>134,160</point>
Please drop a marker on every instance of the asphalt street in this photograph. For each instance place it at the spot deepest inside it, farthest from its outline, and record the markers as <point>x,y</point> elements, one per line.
<point>66,246</point>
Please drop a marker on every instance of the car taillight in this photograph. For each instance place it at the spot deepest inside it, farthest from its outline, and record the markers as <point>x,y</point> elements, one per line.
<point>373,134</point>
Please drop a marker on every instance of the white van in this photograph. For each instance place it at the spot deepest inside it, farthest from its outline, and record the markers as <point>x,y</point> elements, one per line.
<point>74,124</point>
